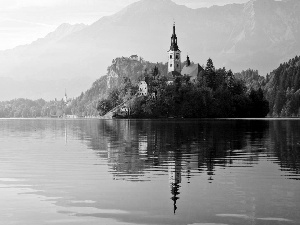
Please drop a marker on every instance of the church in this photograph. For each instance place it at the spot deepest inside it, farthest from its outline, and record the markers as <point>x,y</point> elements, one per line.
<point>175,66</point>
<point>174,62</point>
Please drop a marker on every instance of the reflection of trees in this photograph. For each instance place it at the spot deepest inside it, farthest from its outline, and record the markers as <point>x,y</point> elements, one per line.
<point>181,149</point>
<point>285,142</point>
<point>187,148</point>
<point>135,145</point>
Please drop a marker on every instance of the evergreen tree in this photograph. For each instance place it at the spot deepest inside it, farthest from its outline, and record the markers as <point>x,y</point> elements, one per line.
<point>259,105</point>
<point>210,74</point>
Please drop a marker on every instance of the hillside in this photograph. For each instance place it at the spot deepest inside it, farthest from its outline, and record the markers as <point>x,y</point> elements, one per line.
<point>121,67</point>
<point>252,79</point>
<point>258,34</point>
<point>283,89</point>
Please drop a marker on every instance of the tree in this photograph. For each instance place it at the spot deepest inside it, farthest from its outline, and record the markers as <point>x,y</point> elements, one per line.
<point>259,105</point>
<point>114,98</point>
<point>229,79</point>
<point>280,99</point>
<point>210,74</point>
<point>103,106</point>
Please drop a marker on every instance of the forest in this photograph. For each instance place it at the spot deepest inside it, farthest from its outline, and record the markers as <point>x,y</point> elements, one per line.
<point>283,89</point>
<point>216,93</point>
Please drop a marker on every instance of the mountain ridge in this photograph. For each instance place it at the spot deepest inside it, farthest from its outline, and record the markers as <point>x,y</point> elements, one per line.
<point>258,34</point>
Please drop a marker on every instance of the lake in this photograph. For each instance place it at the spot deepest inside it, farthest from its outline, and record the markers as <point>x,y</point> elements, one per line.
<point>200,172</point>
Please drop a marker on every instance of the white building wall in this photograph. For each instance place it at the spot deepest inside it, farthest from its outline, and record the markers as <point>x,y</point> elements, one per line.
<point>143,88</point>
<point>174,61</point>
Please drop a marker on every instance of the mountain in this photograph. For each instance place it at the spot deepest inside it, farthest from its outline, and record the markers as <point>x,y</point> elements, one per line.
<point>37,70</point>
<point>258,34</point>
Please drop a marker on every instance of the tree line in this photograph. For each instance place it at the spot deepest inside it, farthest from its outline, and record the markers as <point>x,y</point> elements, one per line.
<point>215,93</point>
<point>26,108</point>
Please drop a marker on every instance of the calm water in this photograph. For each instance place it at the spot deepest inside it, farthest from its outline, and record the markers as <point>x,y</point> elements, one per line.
<point>149,172</point>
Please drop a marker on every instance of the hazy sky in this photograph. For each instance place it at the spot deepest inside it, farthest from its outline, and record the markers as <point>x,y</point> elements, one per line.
<point>23,21</point>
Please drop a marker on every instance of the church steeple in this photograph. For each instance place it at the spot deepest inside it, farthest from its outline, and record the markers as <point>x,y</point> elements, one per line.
<point>174,54</point>
<point>174,46</point>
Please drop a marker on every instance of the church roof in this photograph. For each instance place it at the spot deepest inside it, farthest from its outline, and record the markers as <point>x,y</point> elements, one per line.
<point>142,83</point>
<point>172,75</point>
<point>191,70</point>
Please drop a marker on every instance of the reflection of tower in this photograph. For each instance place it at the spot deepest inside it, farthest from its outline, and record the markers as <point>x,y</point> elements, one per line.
<point>175,179</point>
<point>143,146</point>
<point>210,169</point>
<point>66,133</point>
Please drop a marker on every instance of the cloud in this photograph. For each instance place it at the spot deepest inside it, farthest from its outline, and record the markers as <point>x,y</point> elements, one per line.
<point>59,11</point>
<point>207,3</point>
<point>23,21</point>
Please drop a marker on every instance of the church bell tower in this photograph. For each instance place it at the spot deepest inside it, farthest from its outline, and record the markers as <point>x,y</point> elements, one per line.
<point>174,54</point>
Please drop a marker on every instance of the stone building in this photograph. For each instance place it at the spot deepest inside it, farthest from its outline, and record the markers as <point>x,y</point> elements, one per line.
<point>192,70</point>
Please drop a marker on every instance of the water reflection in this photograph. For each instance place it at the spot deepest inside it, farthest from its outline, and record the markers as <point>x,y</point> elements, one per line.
<point>133,147</point>
<point>235,168</point>
<point>286,146</point>
<point>137,148</point>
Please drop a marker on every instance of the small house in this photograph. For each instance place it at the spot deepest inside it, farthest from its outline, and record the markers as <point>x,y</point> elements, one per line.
<point>134,57</point>
<point>143,88</point>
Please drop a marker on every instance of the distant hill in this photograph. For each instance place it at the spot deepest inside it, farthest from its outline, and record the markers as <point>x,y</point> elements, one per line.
<point>252,79</point>
<point>120,68</point>
<point>281,87</point>
<point>258,34</point>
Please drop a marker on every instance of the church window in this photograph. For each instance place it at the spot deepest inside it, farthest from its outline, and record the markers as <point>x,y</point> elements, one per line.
<point>177,56</point>
<point>171,65</point>
<point>170,56</point>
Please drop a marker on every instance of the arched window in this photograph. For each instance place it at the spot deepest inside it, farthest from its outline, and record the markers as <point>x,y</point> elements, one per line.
<point>170,56</point>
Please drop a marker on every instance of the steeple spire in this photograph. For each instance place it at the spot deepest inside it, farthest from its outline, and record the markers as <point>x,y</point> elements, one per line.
<point>174,28</point>
<point>174,46</point>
